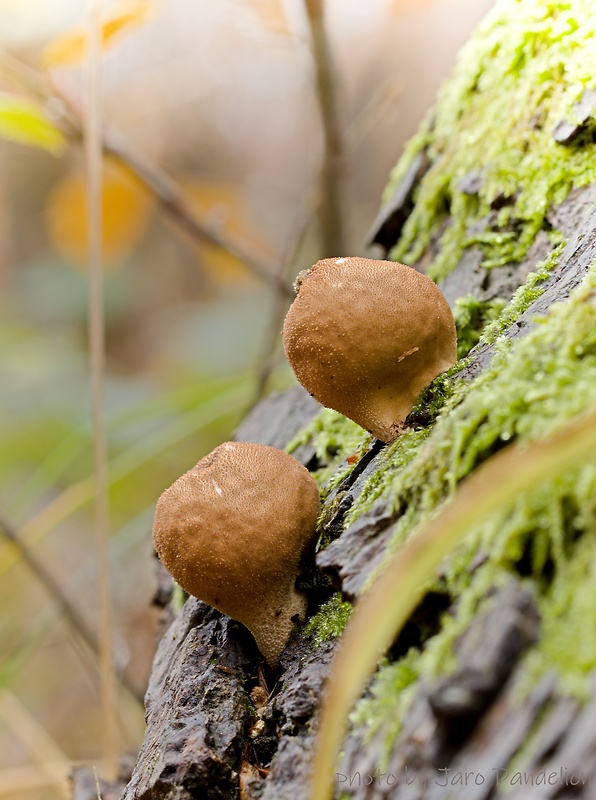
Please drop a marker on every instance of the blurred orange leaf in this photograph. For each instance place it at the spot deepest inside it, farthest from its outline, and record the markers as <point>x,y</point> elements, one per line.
<point>272,15</point>
<point>127,207</point>
<point>24,121</point>
<point>405,6</point>
<point>72,46</point>
<point>220,206</point>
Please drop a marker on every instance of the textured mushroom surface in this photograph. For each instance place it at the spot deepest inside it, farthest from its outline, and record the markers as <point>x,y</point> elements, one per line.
<point>235,531</point>
<point>366,337</point>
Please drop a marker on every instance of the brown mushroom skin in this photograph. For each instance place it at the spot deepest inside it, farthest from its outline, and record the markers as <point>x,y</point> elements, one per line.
<point>235,531</point>
<point>365,337</point>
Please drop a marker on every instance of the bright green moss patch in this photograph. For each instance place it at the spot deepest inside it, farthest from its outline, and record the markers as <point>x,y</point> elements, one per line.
<point>436,397</point>
<point>568,644</point>
<point>391,461</point>
<point>471,317</point>
<point>330,620</point>
<point>391,690</point>
<point>522,299</point>
<point>521,73</point>
<point>334,438</point>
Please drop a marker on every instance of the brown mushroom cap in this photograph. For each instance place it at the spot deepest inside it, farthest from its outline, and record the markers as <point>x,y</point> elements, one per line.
<point>366,337</point>
<point>234,531</point>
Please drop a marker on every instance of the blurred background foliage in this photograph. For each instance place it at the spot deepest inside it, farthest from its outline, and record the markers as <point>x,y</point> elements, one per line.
<point>222,98</point>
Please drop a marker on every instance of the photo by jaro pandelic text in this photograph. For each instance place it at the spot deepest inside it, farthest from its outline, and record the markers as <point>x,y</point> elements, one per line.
<point>446,777</point>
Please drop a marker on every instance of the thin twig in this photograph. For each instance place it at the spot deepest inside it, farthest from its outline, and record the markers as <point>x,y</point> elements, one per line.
<point>175,204</point>
<point>51,585</point>
<point>67,110</point>
<point>272,338</point>
<point>64,605</point>
<point>330,213</point>
<point>375,112</point>
<point>93,152</point>
<point>35,739</point>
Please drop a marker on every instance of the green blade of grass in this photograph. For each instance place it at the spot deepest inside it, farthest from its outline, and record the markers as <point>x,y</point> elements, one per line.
<point>381,613</point>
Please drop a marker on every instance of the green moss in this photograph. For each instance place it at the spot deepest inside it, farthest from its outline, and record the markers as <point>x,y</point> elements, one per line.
<point>331,434</point>
<point>330,620</point>
<point>522,299</point>
<point>436,397</point>
<point>522,72</point>
<point>334,438</point>
<point>392,689</point>
<point>471,318</point>
<point>390,462</point>
<point>328,512</point>
<point>567,644</point>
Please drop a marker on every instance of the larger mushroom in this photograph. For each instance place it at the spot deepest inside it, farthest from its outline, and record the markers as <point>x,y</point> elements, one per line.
<point>235,531</point>
<point>366,337</point>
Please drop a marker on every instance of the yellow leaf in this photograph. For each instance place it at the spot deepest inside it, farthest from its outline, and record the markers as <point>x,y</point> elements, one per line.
<point>220,207</point>
<point>24,122</point>
<point>127,207</point>
<point>72,46</point>
<point>272,15</point>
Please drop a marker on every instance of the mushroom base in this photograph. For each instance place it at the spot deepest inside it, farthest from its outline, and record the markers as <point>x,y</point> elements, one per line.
<point>275,623</point>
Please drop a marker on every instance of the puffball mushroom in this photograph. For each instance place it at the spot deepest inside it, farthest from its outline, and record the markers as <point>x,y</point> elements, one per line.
<point>235,531</point>
<point>366,337</point>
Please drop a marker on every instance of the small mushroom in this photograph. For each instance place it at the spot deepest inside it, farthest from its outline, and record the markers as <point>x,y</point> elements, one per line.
<point>366,337</point>
<point>235,531</point>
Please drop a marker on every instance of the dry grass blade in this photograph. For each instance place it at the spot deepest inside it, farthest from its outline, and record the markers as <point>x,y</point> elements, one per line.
<point>94,157</point>
<point>272,341</point>
<point>380,106</point>
<point>330,214</point>
<point>51,585</point>
<point>382,612</point>
<point>71,613</point>
<point>36,740</point>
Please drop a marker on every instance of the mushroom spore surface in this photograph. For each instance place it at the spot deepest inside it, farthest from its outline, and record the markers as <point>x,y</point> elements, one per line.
<point>236,530</point>
<point>365,337</point>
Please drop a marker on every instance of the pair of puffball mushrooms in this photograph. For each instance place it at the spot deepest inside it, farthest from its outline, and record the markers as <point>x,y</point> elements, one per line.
<point>364,338</point>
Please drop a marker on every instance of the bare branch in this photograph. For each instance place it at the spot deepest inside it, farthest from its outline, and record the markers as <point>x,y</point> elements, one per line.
<point>66,110</point>
<point>272,339</point>
<point>92,142</point>
<point>54,589</point>
<point>330,213</point>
